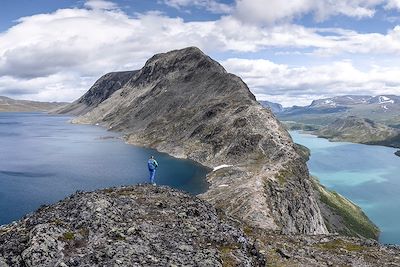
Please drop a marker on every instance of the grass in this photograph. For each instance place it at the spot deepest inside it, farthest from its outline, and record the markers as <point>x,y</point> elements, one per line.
<point>340,244</point>
<point>356,222</point>
<point>283,174</point>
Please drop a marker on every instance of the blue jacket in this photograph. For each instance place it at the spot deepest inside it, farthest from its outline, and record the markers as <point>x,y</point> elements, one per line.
<point>152,164</point>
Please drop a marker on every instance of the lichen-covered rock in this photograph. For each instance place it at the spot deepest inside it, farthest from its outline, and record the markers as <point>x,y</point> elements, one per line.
<point>127,226</point>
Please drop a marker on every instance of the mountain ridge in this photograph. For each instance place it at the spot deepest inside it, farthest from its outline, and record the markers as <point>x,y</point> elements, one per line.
<point>12,105</point>
<point>185,104</point>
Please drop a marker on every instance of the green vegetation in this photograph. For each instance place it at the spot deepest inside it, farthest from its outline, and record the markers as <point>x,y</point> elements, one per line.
<point>355,221</point>
<point>340,244</point>
<point>69,236</point>
<point>228,259</point>
<point>285,173</point>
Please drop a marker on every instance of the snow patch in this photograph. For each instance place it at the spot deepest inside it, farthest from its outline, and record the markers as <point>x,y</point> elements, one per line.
<point>384,100</point>
<point>221,166</point>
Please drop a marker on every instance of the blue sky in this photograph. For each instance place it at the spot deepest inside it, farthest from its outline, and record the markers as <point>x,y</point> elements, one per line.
<point>288,52</point>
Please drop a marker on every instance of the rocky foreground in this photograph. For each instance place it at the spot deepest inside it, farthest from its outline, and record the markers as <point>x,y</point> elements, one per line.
<point>127,226</point>
<point>157,226</point>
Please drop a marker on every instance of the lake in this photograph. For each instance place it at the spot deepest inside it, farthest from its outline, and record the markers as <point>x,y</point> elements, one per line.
<point>44,158</point>
<point>367,175</point>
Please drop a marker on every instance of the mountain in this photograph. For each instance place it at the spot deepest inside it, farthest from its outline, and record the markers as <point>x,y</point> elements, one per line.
<point>128,226</point>
<point>100,91</point>
<point>383,108</point>
<point>359,130</point>
<point>12,105</point>
<point>275,107</point>
<point>186,104</point>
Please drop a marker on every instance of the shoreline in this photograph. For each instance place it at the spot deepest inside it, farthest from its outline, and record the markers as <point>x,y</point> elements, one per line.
<point>308,133</point>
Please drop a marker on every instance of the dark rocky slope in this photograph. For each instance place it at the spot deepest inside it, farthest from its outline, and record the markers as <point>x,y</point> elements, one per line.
<point>100,91</point>
<point>12,105</point>
<point>128,226</point>
<point>184,103</point>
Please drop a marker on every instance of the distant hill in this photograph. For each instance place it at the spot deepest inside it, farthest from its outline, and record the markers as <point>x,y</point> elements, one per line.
<point>275,107</point>
<point>358,130</point>
<point>383,108</point>
<point>12,105</point>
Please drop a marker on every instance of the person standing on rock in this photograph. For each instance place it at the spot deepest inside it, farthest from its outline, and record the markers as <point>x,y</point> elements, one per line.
<point>152,164</point>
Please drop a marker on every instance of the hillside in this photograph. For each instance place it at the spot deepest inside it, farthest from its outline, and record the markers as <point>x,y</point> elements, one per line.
<point>12,105</point>
<point>186,104</point>
<point>383,109</point>
<point>358,130</point>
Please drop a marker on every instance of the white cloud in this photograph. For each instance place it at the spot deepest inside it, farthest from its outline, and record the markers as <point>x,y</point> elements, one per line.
<point>276,10</point>
<point>100,4</point>
<point>210,5</point>
<point>299,85</point>
<point>393,4</point>
<point>67,50</point>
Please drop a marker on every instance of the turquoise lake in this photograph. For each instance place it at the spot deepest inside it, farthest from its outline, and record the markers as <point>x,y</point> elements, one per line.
<point>44,158</point>
<point>367,175</point>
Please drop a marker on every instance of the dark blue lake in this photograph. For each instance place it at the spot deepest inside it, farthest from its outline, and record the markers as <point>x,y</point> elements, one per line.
<point>367,175</point>
<point>44,158</point>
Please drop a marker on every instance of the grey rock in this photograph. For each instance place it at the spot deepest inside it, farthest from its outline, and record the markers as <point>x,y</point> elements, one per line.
<point>59,235</point>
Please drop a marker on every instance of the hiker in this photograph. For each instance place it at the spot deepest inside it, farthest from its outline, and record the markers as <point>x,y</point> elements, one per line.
<point>152,164</point>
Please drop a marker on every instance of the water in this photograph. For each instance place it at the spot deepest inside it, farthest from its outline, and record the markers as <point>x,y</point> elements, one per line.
<point>44,158</point>
<point>367,175</point>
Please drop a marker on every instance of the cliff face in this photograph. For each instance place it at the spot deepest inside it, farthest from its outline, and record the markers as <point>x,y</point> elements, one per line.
<point>128,226</point>
<point>184,103</point>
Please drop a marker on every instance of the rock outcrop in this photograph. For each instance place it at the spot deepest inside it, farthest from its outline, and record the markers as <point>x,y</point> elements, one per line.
<point>127,226</point>
<point>186,104</point>
<point>12,105</point>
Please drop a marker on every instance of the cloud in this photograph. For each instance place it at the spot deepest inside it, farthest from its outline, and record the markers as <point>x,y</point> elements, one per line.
<point>260,11</point>
<point>210,5</point>
<point>58,55</point>
<point>299,85</point>
<point>393,4</point>
<point>100,5</point>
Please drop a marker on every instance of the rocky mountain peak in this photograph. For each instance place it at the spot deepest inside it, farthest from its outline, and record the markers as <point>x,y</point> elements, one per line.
<point>184,103</point>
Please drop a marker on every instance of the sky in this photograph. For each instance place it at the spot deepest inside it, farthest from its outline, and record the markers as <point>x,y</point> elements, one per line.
<point>289,52</point>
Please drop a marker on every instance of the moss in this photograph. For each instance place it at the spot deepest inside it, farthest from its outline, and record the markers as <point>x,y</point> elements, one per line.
<point>274,259</point>
<point>228,259</point>
<point>356,222</point>
<point>339,244</point>
<point>283,175</point>
<point>68,236</point>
